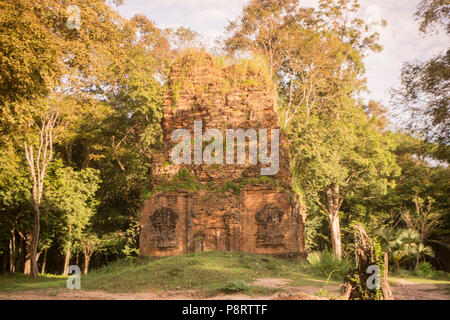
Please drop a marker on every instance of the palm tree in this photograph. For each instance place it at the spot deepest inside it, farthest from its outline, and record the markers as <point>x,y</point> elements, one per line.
<point>422,250</point>
<point>402,245</point>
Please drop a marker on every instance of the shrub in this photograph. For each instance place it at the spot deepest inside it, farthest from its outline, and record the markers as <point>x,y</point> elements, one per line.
<point>175,272</point>
<point>323,293</point>
<point>327,265</point>
<point>234,187</point>
<point>272,265</point>
<point>442,275</point>
<point>234,286</point>
<point>314,258</point>
<point>424,270</point>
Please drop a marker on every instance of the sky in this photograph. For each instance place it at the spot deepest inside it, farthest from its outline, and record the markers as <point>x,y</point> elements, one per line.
<point>401,39</point>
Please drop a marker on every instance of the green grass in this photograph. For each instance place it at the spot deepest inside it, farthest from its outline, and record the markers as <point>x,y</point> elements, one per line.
<point>417,280</point>
<point>20,282</point>
<point>206,272</point>
<point>434,277</point>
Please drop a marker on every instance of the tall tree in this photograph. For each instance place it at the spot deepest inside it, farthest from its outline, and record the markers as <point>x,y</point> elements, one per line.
<point>433,15</point>
<point>424,220</point>
<point>315,56</point>
<point>43,57</point>
<point>14,199</point>
<point>261,29</point>
<point>72,195</point>
<point>89,244</point>
<point>121,134</point>
<point>183,38</point>
<point>424,93</point>
<point>336,158</point>
<point>38,160</point>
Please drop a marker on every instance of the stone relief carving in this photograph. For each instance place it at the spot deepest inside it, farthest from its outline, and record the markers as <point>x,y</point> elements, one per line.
<point>199,241</point>
<point>231,223</point>
<point>270,228</point>
<point>163,223</point>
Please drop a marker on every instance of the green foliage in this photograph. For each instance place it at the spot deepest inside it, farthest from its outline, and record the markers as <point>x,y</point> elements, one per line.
<point>234,286</point>
<point>326,265</point>
<point>183,180</point>
<point>176,92</point>
<point>250,73</point>
<point>175,272</point>
<point>424,270</point>
<point>71,195</point>
<point>232,186</point>
<point>186,181</point>
<point>235,74</point>
<point>313,233</point>
<point>423,93</point>
<point>348,152</point>
<point>403,245</point>
<point>183,38</point>
<point>324,294</point>
<point>29,57</point>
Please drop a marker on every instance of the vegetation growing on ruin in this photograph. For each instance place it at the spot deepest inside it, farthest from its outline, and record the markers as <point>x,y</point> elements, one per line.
<point>231,74</point>
<point>184,180</point>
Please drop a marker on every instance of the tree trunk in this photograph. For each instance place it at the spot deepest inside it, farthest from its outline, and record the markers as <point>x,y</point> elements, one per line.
<point>356,283</point>
<point>300,211</point>
<point>333,213</point>
<point>87,258</point>
<point>5,262</point>
<point>387,292</point>
<point>38,167</point>
<point>44,262</point>
<point>35,241</point>
<point>12,252</point>
<point>20,258</point>
<point>336,235</point>
<point>67,261</point>
<point>27,255</point>
<point>68,252</point>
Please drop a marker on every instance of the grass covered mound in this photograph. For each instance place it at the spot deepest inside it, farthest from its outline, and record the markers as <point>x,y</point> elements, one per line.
<point>209,273</point>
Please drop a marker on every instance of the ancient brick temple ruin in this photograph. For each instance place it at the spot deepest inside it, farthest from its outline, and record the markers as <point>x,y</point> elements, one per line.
<point>220,207</point>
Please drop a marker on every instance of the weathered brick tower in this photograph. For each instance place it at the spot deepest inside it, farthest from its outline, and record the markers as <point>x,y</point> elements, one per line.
<point>220,207</point>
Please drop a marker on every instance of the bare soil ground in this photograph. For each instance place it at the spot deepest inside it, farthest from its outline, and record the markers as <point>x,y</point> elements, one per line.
<point>402,290</point>
<point>405,290</point>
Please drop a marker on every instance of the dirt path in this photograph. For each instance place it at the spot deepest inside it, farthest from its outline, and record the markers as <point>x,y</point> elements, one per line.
<point>402,290</point>
<point>96,295</point>
<point>405,290</point>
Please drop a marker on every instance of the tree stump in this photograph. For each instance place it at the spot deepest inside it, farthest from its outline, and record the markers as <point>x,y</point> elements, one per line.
<point>371,264</point>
